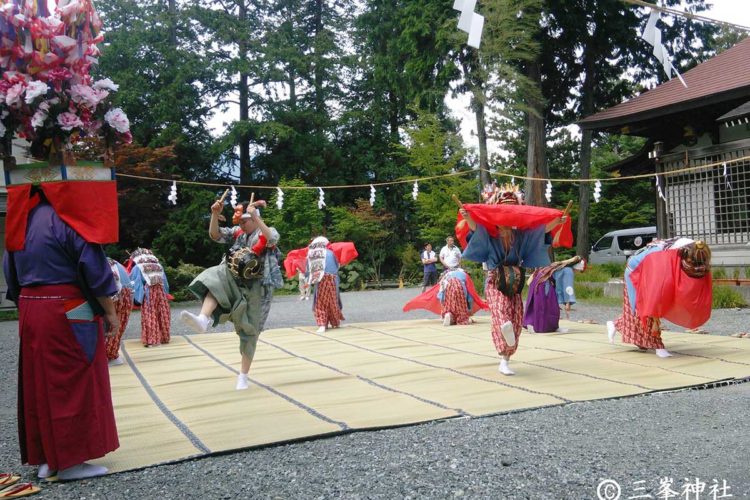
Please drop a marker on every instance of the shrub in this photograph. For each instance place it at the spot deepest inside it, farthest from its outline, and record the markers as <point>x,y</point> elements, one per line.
<point>353,276</point>
<point>588,292</point>
<point>179,278</point>
<point>411,265</point>
<point>719,272</point>
<point>614,269</point>
<point>725,298</point>
<point>595,274</point>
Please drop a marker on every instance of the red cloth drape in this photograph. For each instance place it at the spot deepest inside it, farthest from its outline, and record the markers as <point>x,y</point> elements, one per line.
<point>429,299</point>
<point>663,290</point>
<point>519,216</point>
<point>89,207</point>
<point>296,260</point>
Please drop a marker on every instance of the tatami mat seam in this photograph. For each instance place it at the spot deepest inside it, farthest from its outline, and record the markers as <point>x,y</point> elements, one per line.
<point>619,348</point>
<point>531,363</point>
<point>369,381</point>
<point>195,440</point>
<point>299,404</point>
<point>452,370</point>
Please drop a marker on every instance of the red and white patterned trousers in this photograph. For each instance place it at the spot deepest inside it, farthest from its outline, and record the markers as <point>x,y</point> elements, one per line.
<point>502,309</point>
<point>454,302</point>
<point>327,310</point>
<point>155,317</point>
<point>632,330</point>
<point>123,306</point>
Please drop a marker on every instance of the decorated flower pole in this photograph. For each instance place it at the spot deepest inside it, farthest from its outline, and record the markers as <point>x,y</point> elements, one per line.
<point>48,97</point>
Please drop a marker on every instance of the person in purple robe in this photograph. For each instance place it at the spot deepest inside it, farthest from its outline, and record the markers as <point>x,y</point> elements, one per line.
<point>62,286</point>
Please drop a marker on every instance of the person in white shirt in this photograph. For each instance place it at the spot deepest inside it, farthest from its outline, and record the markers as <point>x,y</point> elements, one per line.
<point>450,254</point>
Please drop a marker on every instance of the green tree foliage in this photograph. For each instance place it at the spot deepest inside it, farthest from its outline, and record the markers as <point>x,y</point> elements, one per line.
<point>371,231</point>
<point>184,237</point>
<point>299,220</point>
<point>433,151</point>
<point>150,53</point>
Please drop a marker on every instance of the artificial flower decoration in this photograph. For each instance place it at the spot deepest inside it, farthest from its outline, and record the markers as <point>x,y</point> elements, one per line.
<point>47,94</point>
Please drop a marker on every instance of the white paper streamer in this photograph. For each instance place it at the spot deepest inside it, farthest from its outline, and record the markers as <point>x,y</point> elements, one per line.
<point>512,181</point>
<point>597,191</point>
<point>372,195</point>
<point>415,190</point>
<point>173,193</point>
<point>279,198</point>
<point>321,199</point>
<point>233,197</point>
<point>548,192</point>
<point>726,176</point>
<point>652,35</point>
<point>475,32</point>
<point>469,21</point>
<point>658,189</point>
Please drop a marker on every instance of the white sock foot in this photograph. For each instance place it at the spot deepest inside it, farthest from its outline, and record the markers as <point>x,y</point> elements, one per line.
<point>663,353</point>
<point>504,368</point>
<point>81,471</point>
<point>117,361</point>
<point>530,329</point>
<point>321,329</point>
<point>242,382</point>
<point>611,331</point>
<point>507,330</point>
<point>45,472</point>
<point>447,319</point>
<point>199,323</point>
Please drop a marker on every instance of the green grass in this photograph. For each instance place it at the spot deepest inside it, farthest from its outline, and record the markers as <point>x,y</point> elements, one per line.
<point>726,298</point>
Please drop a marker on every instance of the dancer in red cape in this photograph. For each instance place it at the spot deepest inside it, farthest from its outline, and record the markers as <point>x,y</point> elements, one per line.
<point>508,237</point>
<point>320,262</point>
<point>454,298</point>
<point>668,279</point>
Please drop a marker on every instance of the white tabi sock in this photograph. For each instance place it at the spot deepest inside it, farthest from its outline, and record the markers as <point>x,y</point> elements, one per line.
<point>504,368</point>
<point>81,471</point>
<point>242,382</point>
<point>447,319</point>
<point>663,353</point>
<point>611,331</point>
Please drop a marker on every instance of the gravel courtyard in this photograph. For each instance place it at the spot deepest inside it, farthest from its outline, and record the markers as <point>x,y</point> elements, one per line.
<point>695,438</point>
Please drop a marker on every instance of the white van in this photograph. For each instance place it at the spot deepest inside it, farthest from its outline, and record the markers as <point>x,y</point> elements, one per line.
<point>617,246</point>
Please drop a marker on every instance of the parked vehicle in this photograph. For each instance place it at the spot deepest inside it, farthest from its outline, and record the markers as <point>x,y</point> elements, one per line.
<point>617,246</point>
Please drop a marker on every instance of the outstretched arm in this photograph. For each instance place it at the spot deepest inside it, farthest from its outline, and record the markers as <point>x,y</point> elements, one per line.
<point>213,226</point>
<point>468,219</point>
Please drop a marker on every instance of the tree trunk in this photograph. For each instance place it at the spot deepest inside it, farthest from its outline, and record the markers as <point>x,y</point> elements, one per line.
<point>477,103</point>
<point>244,140</point>
<point>536,164</point>
<point>587,108</point>
<point>172,6</point>
<point>393,116</point>
<point>318,58</point>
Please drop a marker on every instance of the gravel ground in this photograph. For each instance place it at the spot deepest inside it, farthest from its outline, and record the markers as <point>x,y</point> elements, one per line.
<point>557,452</point>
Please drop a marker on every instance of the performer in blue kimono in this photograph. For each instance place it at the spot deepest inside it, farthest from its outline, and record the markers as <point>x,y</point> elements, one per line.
<point>507,240</point>
<point>150,289</point>
<point>123,300</point>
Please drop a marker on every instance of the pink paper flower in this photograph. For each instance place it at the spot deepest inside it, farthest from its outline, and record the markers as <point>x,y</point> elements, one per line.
<point>34,90</point>
<point>106,84</point>
<point>13,95</point>
<point>118,120</point>
<point>68,121</point>
<point>86,96</point>
<point>38,119</point>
